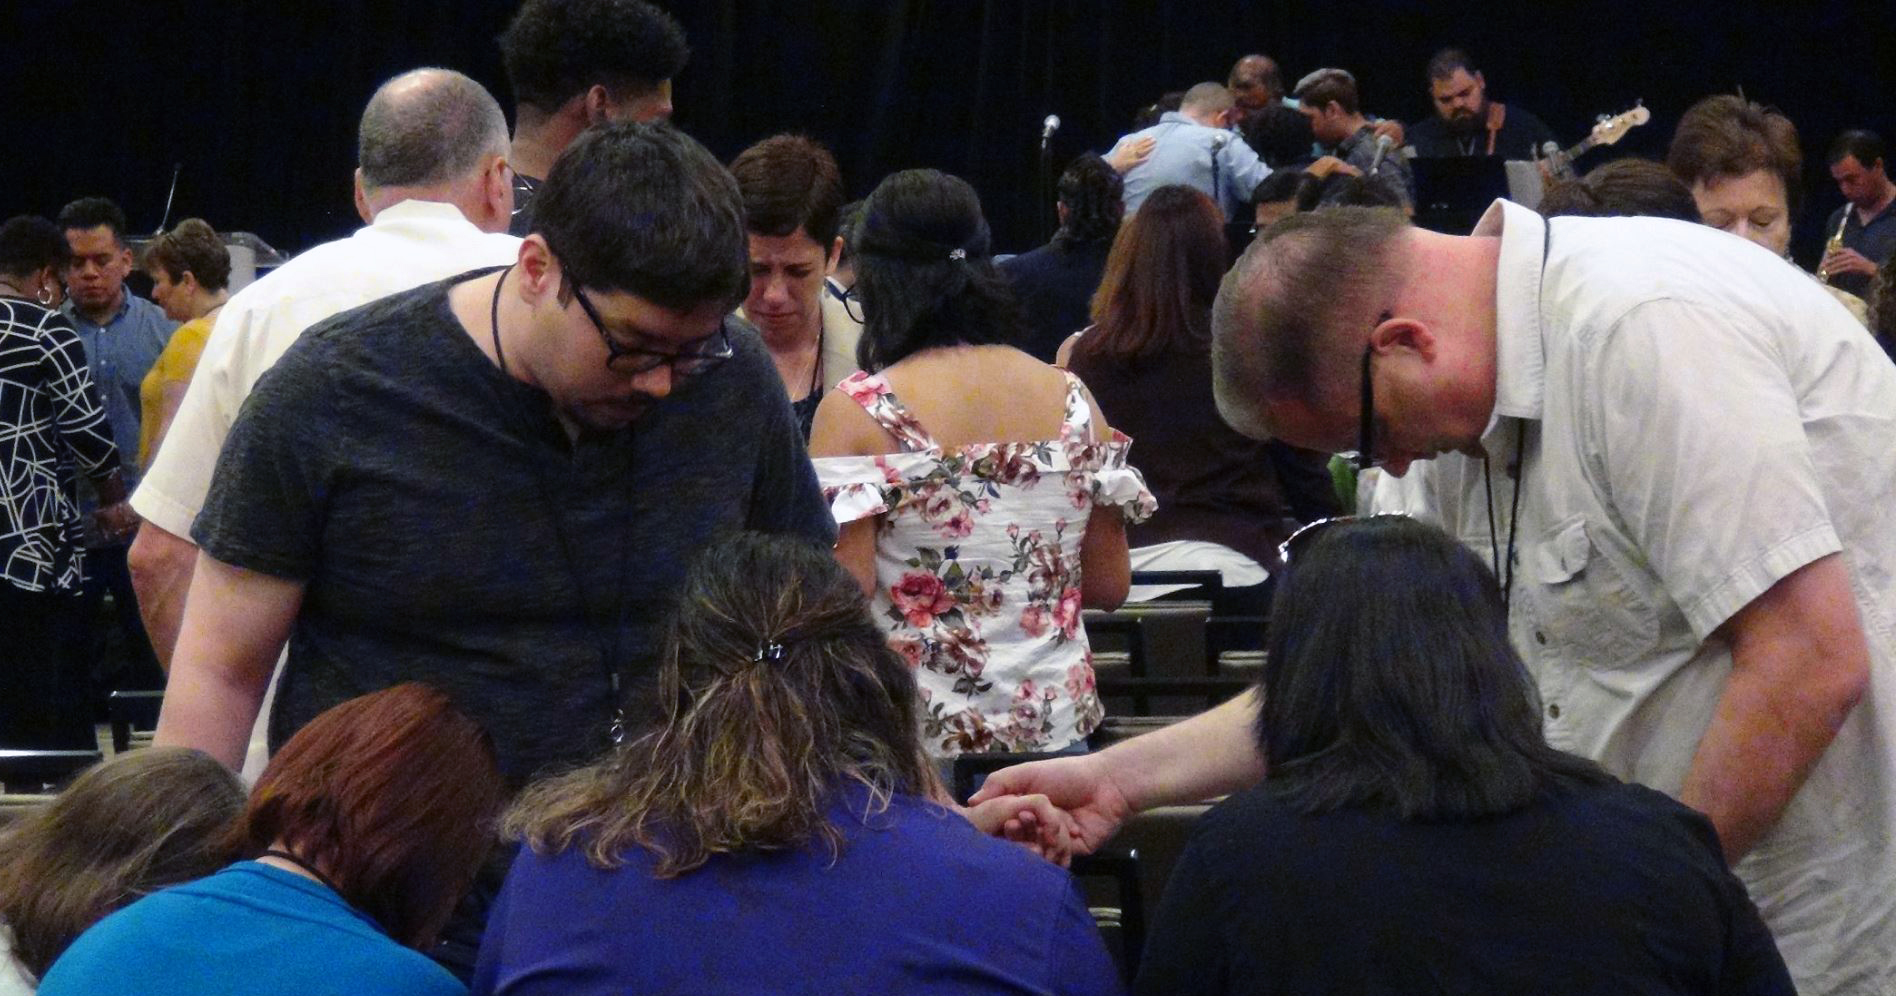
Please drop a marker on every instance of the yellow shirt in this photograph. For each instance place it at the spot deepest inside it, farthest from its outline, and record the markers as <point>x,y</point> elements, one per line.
<point>174,366</point>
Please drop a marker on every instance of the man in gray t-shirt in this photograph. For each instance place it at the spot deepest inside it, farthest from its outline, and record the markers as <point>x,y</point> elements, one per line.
<point>494,483</point>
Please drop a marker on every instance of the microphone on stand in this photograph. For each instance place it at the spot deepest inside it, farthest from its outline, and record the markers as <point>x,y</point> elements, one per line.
<point>1382,149</point>
<point>1048,127</point>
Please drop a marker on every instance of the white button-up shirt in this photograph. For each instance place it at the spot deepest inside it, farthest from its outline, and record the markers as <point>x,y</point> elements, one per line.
<point>1699,419</point>
<point>408,244</point>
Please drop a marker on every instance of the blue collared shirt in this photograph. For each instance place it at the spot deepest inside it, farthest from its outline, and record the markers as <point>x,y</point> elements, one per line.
<point>121,352</point>
<point>1213,160</point>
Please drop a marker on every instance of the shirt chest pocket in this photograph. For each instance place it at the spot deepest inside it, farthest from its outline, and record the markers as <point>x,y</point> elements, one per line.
<point>1586,609</point>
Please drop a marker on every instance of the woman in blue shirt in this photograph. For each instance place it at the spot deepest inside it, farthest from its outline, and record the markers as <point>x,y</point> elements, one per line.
<point>368,826</point>
<point>774,832</point>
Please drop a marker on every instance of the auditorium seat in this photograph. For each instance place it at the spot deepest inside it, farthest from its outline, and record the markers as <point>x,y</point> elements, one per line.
<point>134,715</point>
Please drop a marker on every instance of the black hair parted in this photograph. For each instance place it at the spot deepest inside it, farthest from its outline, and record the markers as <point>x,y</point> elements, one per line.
<point>924,273</point>
<point>556,49</point>
<point>642,208</point>
<point>91,212</point>
<point>1390,685</point>
<point>30,243</point>
<point>1866,147</point>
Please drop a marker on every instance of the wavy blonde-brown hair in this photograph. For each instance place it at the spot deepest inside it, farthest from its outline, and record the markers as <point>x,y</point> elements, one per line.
<point>135,824</point>
<point>747,754</point>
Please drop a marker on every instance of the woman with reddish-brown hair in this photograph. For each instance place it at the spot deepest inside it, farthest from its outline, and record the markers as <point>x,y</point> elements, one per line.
<point>1225,501</point>
<point>366,829</point>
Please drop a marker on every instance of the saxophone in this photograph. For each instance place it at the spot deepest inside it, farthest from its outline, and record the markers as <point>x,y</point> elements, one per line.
<point>1835,243</point>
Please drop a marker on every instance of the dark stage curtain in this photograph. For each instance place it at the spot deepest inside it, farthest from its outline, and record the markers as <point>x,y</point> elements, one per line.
<point>258,101</point>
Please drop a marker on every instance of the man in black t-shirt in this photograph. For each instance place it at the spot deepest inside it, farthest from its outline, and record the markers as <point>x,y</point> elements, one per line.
<point>577,63</point>
<point>494,483</point>
<point>1466,122</point>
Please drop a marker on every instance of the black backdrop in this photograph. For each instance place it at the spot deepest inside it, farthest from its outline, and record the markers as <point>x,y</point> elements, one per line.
<point>258,101</point>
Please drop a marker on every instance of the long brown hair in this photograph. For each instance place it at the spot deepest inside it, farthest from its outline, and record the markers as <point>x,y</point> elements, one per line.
<point>134,824</point>
<point>392,796</point>
<point>1161,278</point>
<point>776,689</point>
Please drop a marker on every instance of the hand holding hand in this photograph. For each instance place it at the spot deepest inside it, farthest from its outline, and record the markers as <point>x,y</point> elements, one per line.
<point>1028,820</point>
<point>1082,787</point>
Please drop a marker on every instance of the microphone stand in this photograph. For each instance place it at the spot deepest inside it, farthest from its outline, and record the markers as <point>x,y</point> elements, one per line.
<point>1049,217</point>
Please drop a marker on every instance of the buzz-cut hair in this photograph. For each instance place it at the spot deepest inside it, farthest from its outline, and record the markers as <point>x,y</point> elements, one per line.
<point>428,127</point>
<point>1293,315</point>
<point>1207,98</point>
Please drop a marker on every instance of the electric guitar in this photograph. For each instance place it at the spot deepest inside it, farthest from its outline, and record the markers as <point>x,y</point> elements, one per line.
<point>1606,131</point>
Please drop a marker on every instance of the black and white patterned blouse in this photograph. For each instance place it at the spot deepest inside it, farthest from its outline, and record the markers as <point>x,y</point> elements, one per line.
<point>51,425</point>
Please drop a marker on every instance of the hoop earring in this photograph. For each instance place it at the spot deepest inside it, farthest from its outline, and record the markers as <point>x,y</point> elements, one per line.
<point>45,296</point>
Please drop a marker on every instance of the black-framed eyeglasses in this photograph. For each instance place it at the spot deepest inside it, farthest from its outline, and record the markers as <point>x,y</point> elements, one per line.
<point>1366,428</point>
<point>852,304</point>
<point>697,356</point>
<point>1299,542</point>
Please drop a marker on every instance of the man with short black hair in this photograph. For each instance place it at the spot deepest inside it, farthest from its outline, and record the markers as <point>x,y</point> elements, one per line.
<point>1195,146</point>
<point>433,189</point>
<point>1055,282</point>
<point>123,335</point>
<point>1466,122</point>
<point>1328,99</point>
<point>495,482</point>
<point>1869,233</point>
<point>577,63</point>
<point>793,199</point>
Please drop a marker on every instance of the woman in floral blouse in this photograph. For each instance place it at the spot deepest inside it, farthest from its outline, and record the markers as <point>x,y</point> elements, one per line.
<point>982,498</point>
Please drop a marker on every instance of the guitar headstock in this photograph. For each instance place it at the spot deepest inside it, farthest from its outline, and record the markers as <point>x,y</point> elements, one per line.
<point>1611,129</point>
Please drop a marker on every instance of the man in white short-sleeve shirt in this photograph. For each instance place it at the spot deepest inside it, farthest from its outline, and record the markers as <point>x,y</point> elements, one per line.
<point>434,186</point>
<point>1700,572</point>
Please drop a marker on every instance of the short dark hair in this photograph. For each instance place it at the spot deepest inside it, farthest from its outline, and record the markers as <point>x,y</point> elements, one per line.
<point>193,247</point>
<point>1280,135</point>
<point>1864,146</point>
<point>924,273</point>
<point>1094,195</point>
<point>1325,86</point>
<point>1724,137</point>
<point>1155,295</point>
<point>1443,64</point>
<point>1266,74</point>
<point>427,127</point>
<point>557,49</point>
<point>29,243</point>
<point>392,796</point>
<point>91,212</point>
<point>747,756</point>
<point>1631,186</point>
<point>1150,114</point>
<point>643,208</point>
<point>789,183</point>
<point>1389,684</point>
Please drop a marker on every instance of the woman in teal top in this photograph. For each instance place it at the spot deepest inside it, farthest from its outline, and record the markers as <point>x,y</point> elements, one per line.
<point>367,827</point>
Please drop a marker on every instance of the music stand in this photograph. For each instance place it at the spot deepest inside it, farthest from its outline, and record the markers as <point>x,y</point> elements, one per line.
<point>1452,192</point>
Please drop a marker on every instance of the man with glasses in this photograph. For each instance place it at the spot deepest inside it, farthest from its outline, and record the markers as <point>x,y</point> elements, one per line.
<point>495,483</point>
<point>1678,455</point>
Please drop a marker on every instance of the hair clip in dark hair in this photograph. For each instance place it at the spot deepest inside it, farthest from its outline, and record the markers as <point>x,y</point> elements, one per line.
<point>958,254</point>
<point>768,652</point>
